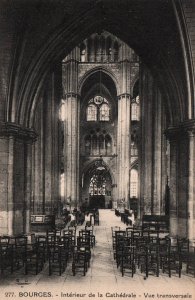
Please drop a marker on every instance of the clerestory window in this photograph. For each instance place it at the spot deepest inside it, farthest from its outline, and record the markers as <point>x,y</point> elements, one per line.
<point>98,109</point>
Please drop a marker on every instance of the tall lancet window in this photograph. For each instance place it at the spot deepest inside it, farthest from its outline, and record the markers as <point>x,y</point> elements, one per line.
<point>91,112</point>
<point>135,109</point>
<point>134,184</point>
<point>104,112</point>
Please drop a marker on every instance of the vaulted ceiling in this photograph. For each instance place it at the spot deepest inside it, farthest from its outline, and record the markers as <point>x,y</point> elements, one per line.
<point>43,32</point>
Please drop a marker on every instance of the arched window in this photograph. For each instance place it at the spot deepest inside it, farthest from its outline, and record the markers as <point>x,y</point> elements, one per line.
<point>82,52</point>
<point>134,150</point>
<point>104,112</point>
<point>91,112</point>
<point>97,185</point>
<point>134,184</point>
<point>98,109</point>
<point>135,109</point>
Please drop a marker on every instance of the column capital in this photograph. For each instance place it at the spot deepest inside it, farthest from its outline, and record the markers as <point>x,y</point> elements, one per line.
<point>189,127</point>
<point>182,129</point>
<point>71,95</point>
<point>9,129</point>
<point>124,95</point>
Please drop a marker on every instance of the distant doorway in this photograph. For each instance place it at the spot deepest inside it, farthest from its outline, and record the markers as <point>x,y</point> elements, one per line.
<point>97,185</point>
<point>97,201</point>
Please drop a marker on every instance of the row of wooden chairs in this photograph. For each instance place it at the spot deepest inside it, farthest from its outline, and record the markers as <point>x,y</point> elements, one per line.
<point>54,247</point>
<point>150,253</point>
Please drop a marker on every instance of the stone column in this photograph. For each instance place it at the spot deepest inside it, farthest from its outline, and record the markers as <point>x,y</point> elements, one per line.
<point>152,146</point>
<point>15,178</point>
<point>173,182</point>
<point>124,142</point>
<point>51,157</point>
<point>71,128</point>
<point>71,149</point>
<point>46,164</point>
<point>124,133</point>
<point>146,149</point>
<point>159,170</point>
<point>191,185</point>
<point>39,161</point>
<point>182,175</point>
<point>27,184</point>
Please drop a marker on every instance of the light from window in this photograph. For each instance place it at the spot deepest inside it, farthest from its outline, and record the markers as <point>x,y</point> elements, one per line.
<point>62,111</point>
<point>62,178</point>
<point>135,109</point>
<point>91,112</point>
<point>134,183</point>
<point>135,112</point>
<point>83,55</point>
<point>134,151</point>
<point>97,185</point>
<point>104,112</point>
<point>98,109</point>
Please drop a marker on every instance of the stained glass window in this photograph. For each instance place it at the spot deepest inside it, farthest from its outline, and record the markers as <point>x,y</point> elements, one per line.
<point>134,150</point>
<point>135,109</point>
<point>104,112</point>
<point>97,185</point>
<point>98,109</point>
<point>134,183</point>
<point>91,112</point>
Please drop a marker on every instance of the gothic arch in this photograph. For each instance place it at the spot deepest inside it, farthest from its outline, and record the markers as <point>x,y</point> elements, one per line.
<point>68,35</point>
<point>93,71</point>
<point>90,165</point>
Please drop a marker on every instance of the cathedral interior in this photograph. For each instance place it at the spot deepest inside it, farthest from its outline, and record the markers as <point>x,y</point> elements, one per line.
<point>97,117</point>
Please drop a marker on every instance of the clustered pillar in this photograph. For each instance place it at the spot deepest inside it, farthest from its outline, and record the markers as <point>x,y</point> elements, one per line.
<point>182,177</point>
<point>71,128</point>
<point>15,178</point>
<point>45,164</point>
<point>153,169</point>
<point>124,130</point>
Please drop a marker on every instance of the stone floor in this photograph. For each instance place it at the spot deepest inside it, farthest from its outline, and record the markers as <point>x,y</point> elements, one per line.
<point>102,281</point>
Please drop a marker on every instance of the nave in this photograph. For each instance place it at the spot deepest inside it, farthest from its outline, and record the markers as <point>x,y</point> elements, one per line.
<point>102,276</point>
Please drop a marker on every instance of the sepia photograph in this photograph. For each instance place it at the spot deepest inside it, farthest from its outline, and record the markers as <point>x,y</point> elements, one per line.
<point>97,149</point>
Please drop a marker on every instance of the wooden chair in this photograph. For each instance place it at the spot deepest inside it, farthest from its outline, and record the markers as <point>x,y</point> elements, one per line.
<point>19,251</point>
<point>58,258</point>
<point>122,241</point>
<point>128,260</point>
<point>35,257</point>
<point>6,255</point>
<point>80,260</point>
<point>190,264</point>
<point>183,248</point>
<point>88,233</point>
<point>150,261</point>
<point>172,261</point>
